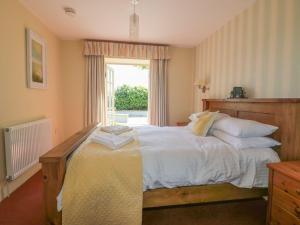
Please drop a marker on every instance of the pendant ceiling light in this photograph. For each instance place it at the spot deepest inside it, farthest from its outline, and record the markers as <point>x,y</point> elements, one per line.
<point>134,23</point>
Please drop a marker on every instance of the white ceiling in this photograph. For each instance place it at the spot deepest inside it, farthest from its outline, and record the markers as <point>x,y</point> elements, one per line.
<point>174,22</point>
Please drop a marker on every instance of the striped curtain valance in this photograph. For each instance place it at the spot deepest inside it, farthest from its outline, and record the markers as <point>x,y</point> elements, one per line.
<point>125,50</point>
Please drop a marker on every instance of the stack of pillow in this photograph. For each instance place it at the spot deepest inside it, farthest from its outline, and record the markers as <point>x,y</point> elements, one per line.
<point>202,122</point>
<point>239,133</point>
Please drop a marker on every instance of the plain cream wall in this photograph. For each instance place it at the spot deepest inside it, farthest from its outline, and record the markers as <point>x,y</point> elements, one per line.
<point>17,102</point>
<point>258,49</point>
<point>180,84</point>
<point>73,71</point>
<point>180,79</point>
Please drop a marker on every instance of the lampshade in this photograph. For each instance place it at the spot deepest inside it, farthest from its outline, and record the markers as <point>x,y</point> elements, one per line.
<point>134,27</point>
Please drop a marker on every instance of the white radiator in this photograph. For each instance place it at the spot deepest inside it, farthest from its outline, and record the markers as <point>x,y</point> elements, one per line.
<point>24,144</point>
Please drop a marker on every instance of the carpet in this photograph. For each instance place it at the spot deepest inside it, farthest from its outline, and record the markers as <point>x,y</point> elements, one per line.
<point>25,207</point>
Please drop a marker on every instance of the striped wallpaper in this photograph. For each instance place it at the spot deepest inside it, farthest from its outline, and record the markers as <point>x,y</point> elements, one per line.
<point>258,49</point>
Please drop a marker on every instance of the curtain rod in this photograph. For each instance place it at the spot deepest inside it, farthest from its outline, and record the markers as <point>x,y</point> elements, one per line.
<point>127,42</point>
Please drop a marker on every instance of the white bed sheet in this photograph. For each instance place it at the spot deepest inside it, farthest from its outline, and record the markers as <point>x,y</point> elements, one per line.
<point>174,156</point>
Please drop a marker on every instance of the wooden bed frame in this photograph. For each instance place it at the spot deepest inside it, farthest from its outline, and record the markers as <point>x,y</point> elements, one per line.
<point>284,113</point>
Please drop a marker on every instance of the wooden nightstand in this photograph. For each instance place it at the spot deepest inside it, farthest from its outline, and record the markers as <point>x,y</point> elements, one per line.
<point>284,193</point>
<point>182,124</point>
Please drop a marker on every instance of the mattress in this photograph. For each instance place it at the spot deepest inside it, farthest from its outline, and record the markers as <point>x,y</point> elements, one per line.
<point>174,157</point>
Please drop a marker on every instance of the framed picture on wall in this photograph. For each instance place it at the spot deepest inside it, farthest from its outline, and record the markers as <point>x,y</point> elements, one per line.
<point>36,61</point>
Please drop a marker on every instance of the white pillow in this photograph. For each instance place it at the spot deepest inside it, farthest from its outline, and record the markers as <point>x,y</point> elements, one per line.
<point>195,116</point>
<point>243,143</point>
<point>243,128</point>
<point>191,124</point>
<point>221,116</point>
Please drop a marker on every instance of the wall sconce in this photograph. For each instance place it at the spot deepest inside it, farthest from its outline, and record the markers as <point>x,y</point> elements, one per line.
<point>202,85</point>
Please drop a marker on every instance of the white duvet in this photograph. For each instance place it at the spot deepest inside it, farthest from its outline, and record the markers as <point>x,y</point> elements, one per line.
<point>174,156</point>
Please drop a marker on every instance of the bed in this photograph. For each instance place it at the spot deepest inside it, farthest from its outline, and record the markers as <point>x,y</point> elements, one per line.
<point>280,112</point>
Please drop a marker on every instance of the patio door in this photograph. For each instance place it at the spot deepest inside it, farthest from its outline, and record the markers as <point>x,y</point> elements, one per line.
<point>127,83</point>
<point>110,94</point>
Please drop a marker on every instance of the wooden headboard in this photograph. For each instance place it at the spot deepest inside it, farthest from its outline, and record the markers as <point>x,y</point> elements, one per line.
<point>284,113</point>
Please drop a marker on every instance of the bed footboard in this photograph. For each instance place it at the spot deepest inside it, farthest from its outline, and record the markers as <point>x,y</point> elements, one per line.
<point>54,168</point>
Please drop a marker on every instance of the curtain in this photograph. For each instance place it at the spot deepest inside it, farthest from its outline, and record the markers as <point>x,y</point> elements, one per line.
<point>95,51</point>
<point>158,92</point>
<point>126,50</point>
<point>95,90</point>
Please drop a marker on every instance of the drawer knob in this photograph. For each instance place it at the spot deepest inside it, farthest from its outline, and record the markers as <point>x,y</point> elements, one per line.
<point>298,192</point>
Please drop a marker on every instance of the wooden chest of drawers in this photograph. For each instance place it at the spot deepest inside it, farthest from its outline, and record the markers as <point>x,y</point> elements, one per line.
<point>284,193</point>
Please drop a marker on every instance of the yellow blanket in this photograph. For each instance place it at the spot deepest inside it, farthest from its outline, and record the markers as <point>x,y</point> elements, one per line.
<point>103,186</point>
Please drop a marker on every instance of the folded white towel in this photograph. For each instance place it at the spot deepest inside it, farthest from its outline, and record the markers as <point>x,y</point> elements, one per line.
<point>118,129</point>
<point>112,141</point>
